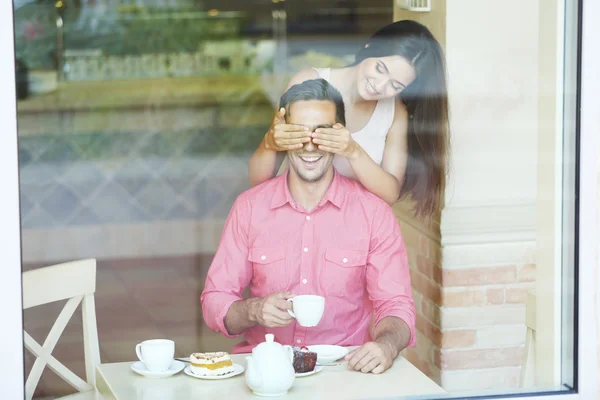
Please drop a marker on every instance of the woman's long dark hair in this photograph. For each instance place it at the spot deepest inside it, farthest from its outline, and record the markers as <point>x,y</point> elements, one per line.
<point>426,100</point>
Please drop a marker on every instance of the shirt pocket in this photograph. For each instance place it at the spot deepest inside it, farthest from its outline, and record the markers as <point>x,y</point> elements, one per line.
<point>269,269</point>
<point>343,271</point>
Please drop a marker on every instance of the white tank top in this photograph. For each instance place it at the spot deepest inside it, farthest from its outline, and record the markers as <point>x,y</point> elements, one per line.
<point>372,136</point>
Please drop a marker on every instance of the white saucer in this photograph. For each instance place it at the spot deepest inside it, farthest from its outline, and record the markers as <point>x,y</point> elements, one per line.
<point>317,369</point>
<point>141,369</point>
<point>327,354</point>
<point>237,369</point>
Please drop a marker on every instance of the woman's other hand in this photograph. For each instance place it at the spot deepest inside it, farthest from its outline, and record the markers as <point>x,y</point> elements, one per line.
<point>336,139</point>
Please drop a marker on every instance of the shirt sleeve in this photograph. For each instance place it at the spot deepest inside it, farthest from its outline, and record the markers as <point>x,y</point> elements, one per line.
<point>230,271</point>
<point>388,272</point>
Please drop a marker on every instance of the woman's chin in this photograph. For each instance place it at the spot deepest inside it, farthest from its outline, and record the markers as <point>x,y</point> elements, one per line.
<point>363,94</point>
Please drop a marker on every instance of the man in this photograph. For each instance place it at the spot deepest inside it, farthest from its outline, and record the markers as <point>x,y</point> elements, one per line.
<point>313,231</point>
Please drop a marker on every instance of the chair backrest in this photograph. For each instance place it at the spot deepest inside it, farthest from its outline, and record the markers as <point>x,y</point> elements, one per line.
<point>75,281</point>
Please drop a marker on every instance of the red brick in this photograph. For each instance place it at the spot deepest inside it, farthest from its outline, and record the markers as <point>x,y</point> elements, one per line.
<point>479,276</point>
<point>527,273</point>
<point>424,286</point>
<point>437,357</point>
<point>429,330</point>
<point>430,311</point>
<point>463,298</point>
<point>494,296</point>
<point>423,365</point>
<point>481,358</point>
<point>455,339</point>
<point>428,268</point>
<point>517,295</point>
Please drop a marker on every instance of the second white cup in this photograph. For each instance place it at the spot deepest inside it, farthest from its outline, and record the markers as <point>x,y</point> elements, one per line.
<point>307,309</point>
<point>157,354</point>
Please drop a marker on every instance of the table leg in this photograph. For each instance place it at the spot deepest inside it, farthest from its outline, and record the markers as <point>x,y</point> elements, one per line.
<point>103,388</point>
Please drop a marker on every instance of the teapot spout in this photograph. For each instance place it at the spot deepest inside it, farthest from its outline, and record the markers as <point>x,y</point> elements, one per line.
<point>253,376</point>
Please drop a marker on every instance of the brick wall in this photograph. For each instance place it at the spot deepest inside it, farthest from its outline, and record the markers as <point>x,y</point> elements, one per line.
<point>483,326</point>
<point>470,301</point>
<point>424,255</point>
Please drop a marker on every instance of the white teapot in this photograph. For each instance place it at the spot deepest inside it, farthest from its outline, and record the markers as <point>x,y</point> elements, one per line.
<point>270,368</point>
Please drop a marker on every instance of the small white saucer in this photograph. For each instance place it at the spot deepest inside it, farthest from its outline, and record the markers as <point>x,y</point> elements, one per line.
<point>327,354</point>
<point>237,369</point>
<point>317,369</point>
<point>141,369</point>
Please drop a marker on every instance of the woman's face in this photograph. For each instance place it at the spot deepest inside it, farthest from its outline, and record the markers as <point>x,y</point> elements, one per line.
<point>384,77</point>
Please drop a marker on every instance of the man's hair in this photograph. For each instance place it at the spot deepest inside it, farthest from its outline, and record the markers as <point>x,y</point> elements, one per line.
<point>314,89</point>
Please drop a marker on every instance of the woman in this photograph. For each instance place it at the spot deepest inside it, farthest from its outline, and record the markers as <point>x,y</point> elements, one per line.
<point>395,95</point>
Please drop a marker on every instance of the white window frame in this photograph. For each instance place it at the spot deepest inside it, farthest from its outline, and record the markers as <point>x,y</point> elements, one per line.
<point>11,321</point>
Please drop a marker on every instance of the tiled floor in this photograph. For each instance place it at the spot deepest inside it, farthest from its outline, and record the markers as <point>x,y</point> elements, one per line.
<point>136,299</point>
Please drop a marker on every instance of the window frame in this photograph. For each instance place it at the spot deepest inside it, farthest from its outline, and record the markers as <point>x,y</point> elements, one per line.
<point>587,219</point>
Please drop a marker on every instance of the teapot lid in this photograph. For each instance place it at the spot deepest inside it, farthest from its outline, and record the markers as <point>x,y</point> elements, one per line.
<point>269,346</point>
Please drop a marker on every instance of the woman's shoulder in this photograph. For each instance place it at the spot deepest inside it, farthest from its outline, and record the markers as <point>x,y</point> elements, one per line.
<point>400,118</point>
<point>398,127</point>
<point>400,111</point>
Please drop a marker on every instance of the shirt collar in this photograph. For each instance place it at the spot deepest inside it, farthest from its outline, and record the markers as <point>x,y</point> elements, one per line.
<point>281,195</point>
<point>336,192</point>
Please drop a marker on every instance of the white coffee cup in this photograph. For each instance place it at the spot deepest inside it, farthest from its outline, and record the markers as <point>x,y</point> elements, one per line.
<point>307,309</point>
<point>157,354</point>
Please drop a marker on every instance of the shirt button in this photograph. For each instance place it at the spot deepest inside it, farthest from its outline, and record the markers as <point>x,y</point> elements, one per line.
<point>298,341</point>
<point>304,281</point>
<point>263,258</point>
<point>345,260</point>
<point>308,217</point>
<point>306,249</point>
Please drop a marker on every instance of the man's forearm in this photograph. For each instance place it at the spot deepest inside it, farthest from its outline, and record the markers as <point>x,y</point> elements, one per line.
<point>393,332</point>
<point>241,316</point>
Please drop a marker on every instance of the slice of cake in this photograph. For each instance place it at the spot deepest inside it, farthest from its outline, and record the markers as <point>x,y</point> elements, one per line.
<point>304,360</point>
<point>211,364</point>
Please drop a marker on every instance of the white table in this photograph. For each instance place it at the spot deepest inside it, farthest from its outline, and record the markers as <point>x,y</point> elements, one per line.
<point>117,381</point>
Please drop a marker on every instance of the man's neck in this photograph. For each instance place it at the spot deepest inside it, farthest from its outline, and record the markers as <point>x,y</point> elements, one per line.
<point>309,194</point>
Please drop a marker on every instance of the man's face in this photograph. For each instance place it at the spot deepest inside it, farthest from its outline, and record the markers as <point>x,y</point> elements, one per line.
<point>310,163</point>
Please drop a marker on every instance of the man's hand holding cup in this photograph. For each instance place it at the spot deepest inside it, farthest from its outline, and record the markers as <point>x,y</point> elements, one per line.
<point>280,309</point>
<point>272,311</point>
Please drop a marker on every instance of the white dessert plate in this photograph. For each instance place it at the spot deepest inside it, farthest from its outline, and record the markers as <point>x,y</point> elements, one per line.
<point>141,369</point>
<point>327,354</point>
<point>237,369</point>
<point>317,369</point>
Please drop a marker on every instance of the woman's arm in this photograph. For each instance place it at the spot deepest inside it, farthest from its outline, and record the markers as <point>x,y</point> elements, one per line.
<point>266,159</point>
<point>386,180</point>
<point>262,164</point>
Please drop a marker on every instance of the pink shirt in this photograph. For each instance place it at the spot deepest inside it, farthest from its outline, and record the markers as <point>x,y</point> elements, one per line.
<point>348,249</point>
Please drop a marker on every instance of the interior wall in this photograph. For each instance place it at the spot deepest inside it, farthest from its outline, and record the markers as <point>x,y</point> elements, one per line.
<point>477,287</point>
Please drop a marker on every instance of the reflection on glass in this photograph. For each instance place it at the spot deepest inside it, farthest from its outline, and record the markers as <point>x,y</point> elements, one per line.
<point>137,123</point>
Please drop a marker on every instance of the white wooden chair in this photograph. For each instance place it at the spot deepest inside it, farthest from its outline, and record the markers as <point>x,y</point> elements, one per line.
<point>528,365</point>
<point>75,281</point>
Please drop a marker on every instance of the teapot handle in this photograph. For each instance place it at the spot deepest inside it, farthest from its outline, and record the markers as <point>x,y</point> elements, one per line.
<point>290,352</point>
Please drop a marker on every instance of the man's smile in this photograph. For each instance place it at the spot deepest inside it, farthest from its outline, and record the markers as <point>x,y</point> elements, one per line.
<point>310,161</point>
